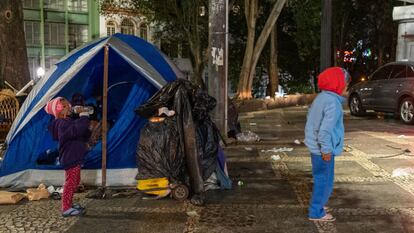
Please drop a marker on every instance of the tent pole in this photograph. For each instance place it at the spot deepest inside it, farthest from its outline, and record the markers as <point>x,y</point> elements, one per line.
<point>104,115</point>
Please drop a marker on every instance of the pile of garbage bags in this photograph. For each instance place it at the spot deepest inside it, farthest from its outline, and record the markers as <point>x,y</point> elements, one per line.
<point>180,141</point>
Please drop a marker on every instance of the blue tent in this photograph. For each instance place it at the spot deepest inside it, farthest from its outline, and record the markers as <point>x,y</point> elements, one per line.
<point>136,71</point>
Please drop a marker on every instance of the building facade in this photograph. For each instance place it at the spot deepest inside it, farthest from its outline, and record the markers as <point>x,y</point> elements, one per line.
<point>125,24</point>
<point>405,40</point>
<point>55,27</point>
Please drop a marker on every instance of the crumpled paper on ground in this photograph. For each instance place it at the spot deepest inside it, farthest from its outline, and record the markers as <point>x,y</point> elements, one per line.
<point>35,194</point>
<point>402,171</point>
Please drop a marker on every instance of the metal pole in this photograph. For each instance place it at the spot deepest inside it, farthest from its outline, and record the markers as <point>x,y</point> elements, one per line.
<point>104,115</point>
<point>326,35</point>
<point>217,65</point>
<point>66,27</point>
<point>42,34</point>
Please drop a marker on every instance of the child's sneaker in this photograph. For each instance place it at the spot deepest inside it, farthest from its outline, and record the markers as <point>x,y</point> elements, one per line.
<point>71,212</point>
<point>78,206</point>
<point>326,218</point>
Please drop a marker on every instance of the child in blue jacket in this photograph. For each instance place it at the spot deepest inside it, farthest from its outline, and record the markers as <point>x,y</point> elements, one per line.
<point>324,137</point>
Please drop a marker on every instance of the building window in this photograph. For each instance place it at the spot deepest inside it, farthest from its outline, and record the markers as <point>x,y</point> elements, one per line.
<point>34,63</point>
<point>78,35</point>
<point>55,34</point>
<point>55,4</point>
<point>78,5</point>
<point>32,32</point>
<point>110,28</point>
<point>33,4</point>
<point>50,61</point>
<point>143,31</point>
<point>127,27</point>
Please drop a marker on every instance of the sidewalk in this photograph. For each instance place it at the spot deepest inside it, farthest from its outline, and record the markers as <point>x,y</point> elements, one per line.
<point>274,195</point>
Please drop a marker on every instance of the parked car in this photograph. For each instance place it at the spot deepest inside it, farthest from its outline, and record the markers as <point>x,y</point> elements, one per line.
<point>389,89</point>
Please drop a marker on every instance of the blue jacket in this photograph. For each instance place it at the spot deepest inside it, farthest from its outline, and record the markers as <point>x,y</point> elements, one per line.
<point>324,131</point>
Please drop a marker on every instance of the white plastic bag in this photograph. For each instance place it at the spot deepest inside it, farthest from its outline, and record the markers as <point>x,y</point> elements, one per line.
<point>278,150</point>
<point>248,136</point>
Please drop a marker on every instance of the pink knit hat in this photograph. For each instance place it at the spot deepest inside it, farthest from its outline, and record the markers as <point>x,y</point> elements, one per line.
<point>54,106</point>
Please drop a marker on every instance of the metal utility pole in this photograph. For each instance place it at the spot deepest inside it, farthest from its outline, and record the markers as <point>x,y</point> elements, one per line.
<point>326,35</point>
<point>217,62</point>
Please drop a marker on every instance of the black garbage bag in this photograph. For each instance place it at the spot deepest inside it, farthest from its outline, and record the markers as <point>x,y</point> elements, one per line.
<point>207,132</point>
<point>159,151</point>
<point>208,143</point>
<point>187,132</point>
<point>165,98</point>
<point>198,136</point>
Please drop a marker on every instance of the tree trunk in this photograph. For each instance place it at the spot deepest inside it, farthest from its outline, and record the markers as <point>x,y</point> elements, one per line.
<point>273,69</point>
<point>252,57</point>
<point>261,41</point>
<point>13,55</point>
<point>250,13</point>
<point>197,63</point>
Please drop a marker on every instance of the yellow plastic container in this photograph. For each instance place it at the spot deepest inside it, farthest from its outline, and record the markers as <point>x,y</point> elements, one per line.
<point>156,183</point>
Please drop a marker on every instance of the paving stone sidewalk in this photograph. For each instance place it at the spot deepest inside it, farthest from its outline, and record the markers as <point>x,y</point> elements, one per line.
<point>275,193</point>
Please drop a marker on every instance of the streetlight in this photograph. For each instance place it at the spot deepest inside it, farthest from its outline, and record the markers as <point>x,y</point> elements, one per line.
<point>40,72</point>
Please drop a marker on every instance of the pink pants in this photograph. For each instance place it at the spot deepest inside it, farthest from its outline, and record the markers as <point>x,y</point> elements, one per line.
<point>72,179</point>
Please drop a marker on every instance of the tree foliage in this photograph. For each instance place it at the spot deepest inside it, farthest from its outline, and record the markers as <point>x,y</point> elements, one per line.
<point>176,21</point>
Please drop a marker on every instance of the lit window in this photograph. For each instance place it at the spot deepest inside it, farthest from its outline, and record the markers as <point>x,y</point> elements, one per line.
<point>110,28</point>
<point>127,27</point>
<point>143,31</point>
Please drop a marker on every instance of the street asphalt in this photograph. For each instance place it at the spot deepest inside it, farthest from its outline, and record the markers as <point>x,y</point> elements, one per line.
<point>275,188</point>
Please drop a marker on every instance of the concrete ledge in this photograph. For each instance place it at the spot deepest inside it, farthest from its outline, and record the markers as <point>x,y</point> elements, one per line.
<point>287,101</point>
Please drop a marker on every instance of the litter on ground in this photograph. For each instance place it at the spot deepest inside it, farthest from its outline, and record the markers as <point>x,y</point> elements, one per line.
<point>275,157</point>
<point>402,171</point>
<point>248,136</point>
<point>278,150</point>
<point>192,213</point>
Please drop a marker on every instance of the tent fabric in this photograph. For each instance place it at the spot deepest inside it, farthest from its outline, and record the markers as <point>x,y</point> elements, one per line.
<point>136,71</point>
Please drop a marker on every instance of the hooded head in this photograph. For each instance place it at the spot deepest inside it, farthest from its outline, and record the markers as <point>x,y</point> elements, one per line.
<point>333,79</point>
<point>56,106</point>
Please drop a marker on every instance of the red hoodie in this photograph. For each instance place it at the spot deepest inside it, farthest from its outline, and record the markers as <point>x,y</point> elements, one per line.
<point>333,79</point>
